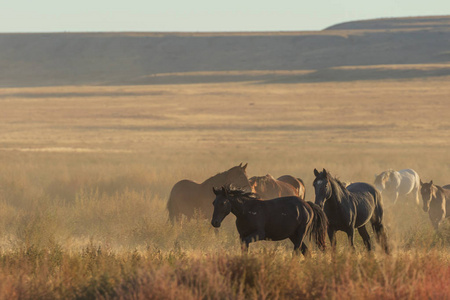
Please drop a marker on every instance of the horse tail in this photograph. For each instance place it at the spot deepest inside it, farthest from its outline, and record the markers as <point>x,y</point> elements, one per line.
<point>377,223</point>
<point>304,189</point>
<point>318,227</point>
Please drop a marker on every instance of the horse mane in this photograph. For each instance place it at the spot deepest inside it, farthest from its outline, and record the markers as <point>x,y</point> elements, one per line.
<point>440,189</point>
<point>269,177</point>
<point>262,179</point>
<point>240,194</point>
<point>338,187</point>
<point>218,178</point>
<point>386,174</point>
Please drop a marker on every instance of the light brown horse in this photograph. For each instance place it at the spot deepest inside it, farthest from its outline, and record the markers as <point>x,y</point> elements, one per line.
<point>187,196</point>
<point>267,187</point>
<point>436,201</point>
<point>297,183</point>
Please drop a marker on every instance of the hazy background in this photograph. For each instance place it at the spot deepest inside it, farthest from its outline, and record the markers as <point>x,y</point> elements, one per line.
<point>96,128</point>
<point>201,15</point>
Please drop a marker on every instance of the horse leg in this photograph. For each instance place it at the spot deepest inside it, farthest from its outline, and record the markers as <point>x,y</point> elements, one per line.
<point>299,244</point>
<point>332,237</point>
<point>350,235</point>
<point>435,224</point>
<point>257,236</point>
<point>381,236</point>
<point>365,236</point>
<point>244,246</point>
<point>395,197</point>
<point>305,250</point>
<point>297,239</point>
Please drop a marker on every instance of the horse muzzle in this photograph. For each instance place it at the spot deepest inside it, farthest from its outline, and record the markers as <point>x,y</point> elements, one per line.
<point>319,203</point>
<point>215,223</point>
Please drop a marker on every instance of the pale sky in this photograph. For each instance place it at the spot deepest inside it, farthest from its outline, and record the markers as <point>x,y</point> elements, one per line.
<point>202,15</point>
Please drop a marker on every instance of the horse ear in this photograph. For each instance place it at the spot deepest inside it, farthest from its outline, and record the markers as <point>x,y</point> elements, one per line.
<point>240,165</point>
<point>324,171</point>
<point>431,182</point>
<point>244,166</point>
<point>224,191</point>
<point>216,191</point>
<point>316,172</point>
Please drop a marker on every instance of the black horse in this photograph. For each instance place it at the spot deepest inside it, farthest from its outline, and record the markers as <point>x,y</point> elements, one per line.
<point>350,208</point>
<point>276,219</point>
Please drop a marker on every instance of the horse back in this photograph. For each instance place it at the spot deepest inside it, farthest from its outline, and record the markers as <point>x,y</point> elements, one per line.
<point>409,180</point>
<point>296,183</point>
<point>361,187</point>
<point>286,189</point>
<point>271,188</point>
<point>368,200</point>
<point>283,215</point>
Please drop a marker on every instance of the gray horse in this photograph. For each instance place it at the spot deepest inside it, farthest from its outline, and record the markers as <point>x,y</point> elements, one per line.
<point>393,184</point>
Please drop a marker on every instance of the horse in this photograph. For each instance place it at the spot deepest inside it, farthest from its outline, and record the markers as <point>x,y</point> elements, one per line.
<point>436,202</point>
<point>350,208</point>
<point>188,196</point>
<point>297,183</point>
<point>398,184</point>
<point>276,219</point>
<point>267,187</point>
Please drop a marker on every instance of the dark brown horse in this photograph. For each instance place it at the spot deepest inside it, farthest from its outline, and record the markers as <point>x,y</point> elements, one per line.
<point>267,187</point>
<point>188,196</point>
<point>436,202</point>
<point>350,208</point>
<point>276,219</point>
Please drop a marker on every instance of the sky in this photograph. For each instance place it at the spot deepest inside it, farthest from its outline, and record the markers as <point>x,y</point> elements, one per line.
<point>202,15</point>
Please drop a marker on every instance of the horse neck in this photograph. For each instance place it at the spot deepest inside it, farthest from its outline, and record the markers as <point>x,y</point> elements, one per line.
<point>437,195</point>
<point>215,181</point>
<point>237,207</point>
<point>339,196</point>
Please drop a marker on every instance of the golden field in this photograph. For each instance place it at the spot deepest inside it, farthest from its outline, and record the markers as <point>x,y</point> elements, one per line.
<point>86,172</point>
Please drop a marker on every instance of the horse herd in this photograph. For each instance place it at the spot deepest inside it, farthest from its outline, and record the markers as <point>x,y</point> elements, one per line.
<point>275,209</point>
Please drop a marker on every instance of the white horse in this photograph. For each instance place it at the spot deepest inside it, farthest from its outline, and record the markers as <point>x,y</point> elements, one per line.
<point>395,184</point>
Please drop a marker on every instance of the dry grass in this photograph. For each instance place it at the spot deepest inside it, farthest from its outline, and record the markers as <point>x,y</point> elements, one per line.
<point>86,171</point>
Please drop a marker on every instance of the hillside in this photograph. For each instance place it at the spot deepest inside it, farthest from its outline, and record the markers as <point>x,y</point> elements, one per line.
<point>49,59</point>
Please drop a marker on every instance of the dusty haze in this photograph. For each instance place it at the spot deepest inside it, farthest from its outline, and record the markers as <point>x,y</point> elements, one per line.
<point>96,128</point>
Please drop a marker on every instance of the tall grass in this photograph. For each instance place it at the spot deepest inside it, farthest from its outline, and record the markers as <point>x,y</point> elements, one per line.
<point>83,189</point>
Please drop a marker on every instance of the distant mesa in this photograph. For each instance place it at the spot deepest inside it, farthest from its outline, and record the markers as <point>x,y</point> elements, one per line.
<point>360,50</point>
<point>438,22</point>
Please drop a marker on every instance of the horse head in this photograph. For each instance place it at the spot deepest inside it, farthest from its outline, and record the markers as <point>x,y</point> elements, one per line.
<point>381,179</point>
<point>322,187</point>
<point>427,190</point>
<point>222,206</point>
<point>238,177</point>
